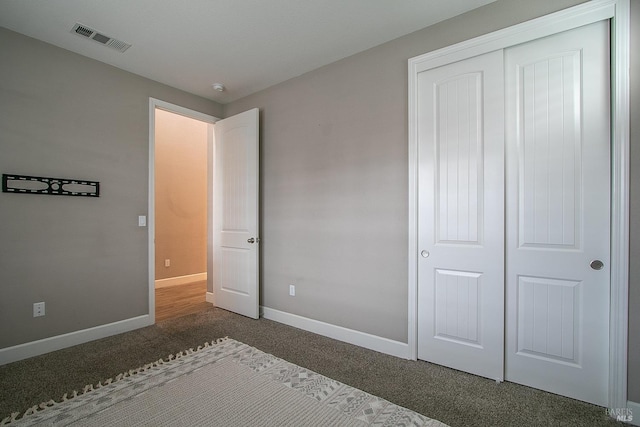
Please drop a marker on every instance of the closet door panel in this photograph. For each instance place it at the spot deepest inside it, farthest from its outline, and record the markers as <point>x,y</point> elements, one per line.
<point>461,215</point>
<point>558,213</point>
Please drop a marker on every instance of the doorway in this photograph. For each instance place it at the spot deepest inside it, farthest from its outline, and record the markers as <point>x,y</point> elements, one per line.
<point>180,214</point>
<point>179,210</point>
<point>232,201</point>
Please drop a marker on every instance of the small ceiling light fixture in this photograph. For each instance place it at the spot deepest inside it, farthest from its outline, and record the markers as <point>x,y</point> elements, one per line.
<point>218,87</point>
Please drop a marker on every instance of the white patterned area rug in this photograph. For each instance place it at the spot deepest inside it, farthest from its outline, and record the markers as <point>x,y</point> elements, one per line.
<point>226,383</point>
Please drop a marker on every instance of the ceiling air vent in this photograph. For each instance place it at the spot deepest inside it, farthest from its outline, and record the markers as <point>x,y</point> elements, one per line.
<point>84,31</point>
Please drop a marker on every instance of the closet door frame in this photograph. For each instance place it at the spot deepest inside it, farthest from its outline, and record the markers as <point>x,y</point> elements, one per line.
<point>617,11</point>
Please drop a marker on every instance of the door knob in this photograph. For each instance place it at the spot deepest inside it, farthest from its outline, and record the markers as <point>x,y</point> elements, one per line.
<point>596,264</point>
<point>425,254</point>
<point>251,240</point>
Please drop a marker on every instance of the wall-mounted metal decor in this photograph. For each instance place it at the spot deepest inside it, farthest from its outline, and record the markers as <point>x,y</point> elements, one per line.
<point>55,186</point>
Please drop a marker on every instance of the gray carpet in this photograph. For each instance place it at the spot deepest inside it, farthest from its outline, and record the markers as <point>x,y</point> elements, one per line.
<point>453,397</point>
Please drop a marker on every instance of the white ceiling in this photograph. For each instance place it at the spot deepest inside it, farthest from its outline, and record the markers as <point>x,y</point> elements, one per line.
<point>247,45</point>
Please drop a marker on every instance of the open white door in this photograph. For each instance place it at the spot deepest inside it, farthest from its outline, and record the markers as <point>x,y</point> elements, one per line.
<point>235,214</point>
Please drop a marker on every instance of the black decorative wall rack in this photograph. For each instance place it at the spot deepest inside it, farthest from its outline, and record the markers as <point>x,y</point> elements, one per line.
<point>25,184</point>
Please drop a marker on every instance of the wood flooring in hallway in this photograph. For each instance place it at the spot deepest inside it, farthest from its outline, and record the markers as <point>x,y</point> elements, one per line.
<point>180,300</point>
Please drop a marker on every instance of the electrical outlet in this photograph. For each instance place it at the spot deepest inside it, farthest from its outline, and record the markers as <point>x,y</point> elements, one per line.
<point>292,290</point>
<point>167,263</point>
<point>38,309</point>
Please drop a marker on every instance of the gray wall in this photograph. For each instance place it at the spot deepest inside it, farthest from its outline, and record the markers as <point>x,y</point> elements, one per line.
<point>67,116</point>
<point>634,280</point>
<point>334,177</point>
<point>334,181</point>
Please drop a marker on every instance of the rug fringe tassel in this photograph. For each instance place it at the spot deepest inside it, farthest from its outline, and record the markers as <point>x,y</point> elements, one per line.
<point>11,418</point>
<point>47,404</point>
<point>90,387</point>
<point>31,410</point>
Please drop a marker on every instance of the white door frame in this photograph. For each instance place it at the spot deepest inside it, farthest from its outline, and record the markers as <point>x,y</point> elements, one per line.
<point>151,220</point>
<point>592,11</point>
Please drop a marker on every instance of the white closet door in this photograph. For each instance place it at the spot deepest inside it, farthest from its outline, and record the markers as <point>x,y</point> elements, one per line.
<point>461,215</point>
<point>558,221</point>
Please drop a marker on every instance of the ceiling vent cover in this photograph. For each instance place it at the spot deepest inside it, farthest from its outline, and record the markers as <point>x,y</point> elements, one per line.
<point>90,33</point>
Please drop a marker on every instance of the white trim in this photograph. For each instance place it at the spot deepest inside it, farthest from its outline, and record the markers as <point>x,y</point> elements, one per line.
<point>151,223</point>
<point>177,109</point>
<point>412,309</point>
<point>210,298</point>
<point>46,345</point>
<point>619,303</point>
<point>635,409</point>
<point>180,280</point>
<point>583,14</point>
<point>361,339</point>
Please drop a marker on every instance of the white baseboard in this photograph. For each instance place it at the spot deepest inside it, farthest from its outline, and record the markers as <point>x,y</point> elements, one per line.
<point>362,339</point>
<point>635,413</point>
<point>46,345</point>
<point>210,298</point>
<point>180,280</point>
